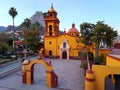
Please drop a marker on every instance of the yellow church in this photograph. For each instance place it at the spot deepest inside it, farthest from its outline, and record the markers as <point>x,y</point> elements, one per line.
<point>62,46</point>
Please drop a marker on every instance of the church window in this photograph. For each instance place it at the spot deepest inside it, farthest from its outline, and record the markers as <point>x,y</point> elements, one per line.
<point>64,45</point>
<point>50,42</point>
<point>50,30</point>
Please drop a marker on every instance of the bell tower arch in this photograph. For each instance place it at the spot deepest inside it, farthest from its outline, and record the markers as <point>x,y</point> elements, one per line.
<point>51,23</point>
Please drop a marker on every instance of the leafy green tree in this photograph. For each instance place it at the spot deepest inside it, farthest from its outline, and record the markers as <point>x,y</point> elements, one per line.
<point>100,34</point>
<point>31,39</point>
<point>103,34</point>
<point>36,26</point>
<point>86,33</point>
<point>6,43</point>
<point>26,24</point>
<point>110,37</point>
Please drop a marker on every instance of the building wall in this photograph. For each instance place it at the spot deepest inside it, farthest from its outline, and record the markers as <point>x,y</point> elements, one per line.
<point>105,52</point>
<point>53,46</point>
<point>71,42</point>
<point>113,61</point>
<point>100,72</point>
<point>57,41</point>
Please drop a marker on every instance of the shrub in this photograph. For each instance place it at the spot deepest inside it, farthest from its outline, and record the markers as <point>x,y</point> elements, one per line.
<point>90,55</point>
<point>84,64</point>
<point>98,60</point>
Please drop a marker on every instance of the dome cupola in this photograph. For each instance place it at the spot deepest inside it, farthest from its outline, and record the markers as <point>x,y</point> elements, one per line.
<point>73,31</point>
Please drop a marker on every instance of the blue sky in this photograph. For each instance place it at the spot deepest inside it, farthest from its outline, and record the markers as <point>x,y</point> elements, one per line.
<point>69,11</point>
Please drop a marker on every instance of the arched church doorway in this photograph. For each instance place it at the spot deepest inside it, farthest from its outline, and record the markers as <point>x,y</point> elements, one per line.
<point>50,53</point>
<point>64,55</point>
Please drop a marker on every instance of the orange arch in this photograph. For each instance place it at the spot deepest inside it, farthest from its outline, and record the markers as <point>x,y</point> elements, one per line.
<point>29,72</point>
<point>46,65</point>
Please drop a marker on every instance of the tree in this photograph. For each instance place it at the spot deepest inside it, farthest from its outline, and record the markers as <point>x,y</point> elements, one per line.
<point>31,39</point>
<point>36,26</point>
<point>110,34</point>
<point>103,34</point>
<point>26,24</point>
<point>13,13</point>
<point>100,34</point>
<point>86,33</point>
<point>6,43</point>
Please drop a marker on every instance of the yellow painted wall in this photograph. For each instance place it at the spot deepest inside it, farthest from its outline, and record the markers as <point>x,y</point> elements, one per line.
<point>100,72</point>
<point>53,46</point>
<point>104,51</point>
<point>57,41</point>
<point>113,61</point>
<point>71,42</point>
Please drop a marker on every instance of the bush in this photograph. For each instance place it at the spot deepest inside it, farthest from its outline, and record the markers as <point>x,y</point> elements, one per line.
<point>90,55</point>
<point>82,56</point>
<point>84,64</point>
<point>98,60</point>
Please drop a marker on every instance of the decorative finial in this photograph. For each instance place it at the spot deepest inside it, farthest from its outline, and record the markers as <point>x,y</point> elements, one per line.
<point>73,25</point>
<point>64,30</point>
<point>51,9</point>
<point>51,5</point>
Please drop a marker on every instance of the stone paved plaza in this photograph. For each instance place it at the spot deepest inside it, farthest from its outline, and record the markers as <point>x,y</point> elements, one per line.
<point>70,77</point>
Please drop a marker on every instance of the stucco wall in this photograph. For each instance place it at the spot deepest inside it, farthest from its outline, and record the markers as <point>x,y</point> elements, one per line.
<point>100,72</point>
<point>113,61</point>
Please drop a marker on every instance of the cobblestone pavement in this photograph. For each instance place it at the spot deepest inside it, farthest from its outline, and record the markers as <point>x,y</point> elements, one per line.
<point>70,77</point>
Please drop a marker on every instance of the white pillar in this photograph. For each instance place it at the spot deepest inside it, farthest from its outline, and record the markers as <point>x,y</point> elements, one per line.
<point>60,54</point>
<point>68,54</point>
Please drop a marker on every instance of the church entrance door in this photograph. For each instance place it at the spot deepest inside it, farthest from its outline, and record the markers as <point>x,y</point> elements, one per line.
<point>64,55</point>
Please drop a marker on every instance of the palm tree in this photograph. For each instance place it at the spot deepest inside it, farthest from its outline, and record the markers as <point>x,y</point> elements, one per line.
<point>13,13</point>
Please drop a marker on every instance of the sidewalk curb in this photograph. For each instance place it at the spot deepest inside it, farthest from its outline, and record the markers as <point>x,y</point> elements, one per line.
<point>10,71</point>
<point>13,69</point>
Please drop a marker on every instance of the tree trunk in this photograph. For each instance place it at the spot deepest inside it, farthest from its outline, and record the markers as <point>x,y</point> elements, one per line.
<point>97,50</point>
<point>13,35</point>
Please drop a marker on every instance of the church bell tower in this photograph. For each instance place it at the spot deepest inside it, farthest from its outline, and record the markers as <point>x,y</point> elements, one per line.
<point>51,23</point>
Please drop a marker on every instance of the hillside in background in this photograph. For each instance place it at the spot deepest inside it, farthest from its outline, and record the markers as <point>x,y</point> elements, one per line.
<point>2,28</point>
<point>37,17</point>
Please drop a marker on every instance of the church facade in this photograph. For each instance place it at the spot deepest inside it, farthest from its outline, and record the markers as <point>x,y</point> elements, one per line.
<point>63,46</point>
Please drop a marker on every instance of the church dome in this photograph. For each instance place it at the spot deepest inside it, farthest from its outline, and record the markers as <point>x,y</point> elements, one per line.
<point>73,30</point>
